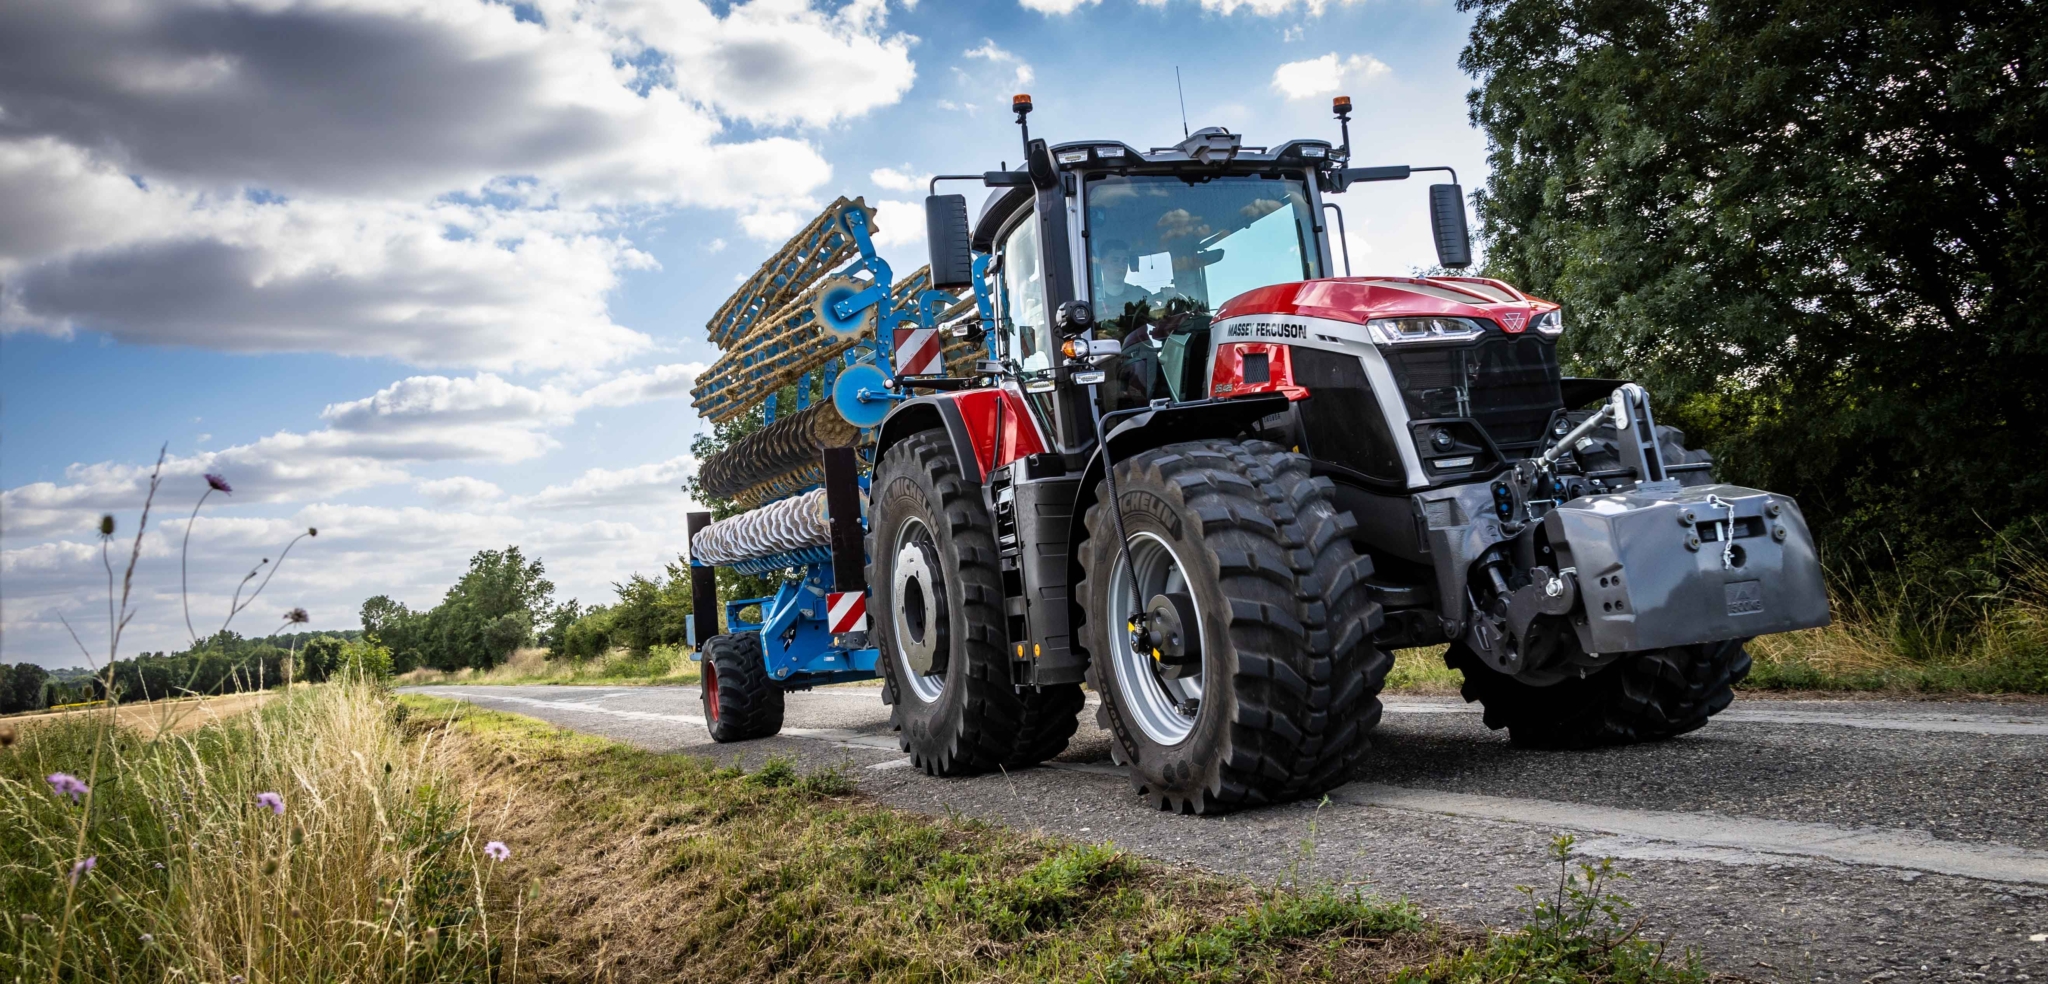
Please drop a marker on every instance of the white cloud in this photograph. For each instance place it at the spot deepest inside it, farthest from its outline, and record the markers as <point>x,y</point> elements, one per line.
<point>192,173</point>
<point>1327,75</point>
<point>459,490</point>
<point>641,385</point>
<point>775,61</point>
<point>656,483</point>
<point>1263,8</point>
<point>1056,7</point>
<point>1020,70</point>
<point>899,229</point>
<point>905,178</point>
<point>366,443</point>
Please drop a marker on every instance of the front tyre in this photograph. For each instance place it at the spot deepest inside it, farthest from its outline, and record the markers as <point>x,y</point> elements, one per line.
<point>1646,696</point>
<point>741,702</point>
<point>1261,680</point>
<point>938,611</point>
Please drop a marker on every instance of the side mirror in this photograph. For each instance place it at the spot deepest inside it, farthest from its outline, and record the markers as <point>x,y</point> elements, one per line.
<point>1447,221</point>
<point>945,231</point>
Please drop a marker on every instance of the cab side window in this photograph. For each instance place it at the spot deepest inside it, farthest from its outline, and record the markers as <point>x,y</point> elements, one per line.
<point>1027,329</point>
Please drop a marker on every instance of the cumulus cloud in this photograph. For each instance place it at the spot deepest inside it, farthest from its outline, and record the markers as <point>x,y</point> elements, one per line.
<point>459,490</point>
<point>441,182</point>
<point>656,483</point>
<point>905,178</point>
<point>367,442</point>
<point>1057,7</point>
<point>1020,73</point>
<point>1327,75</point>
<point>1263,8</point>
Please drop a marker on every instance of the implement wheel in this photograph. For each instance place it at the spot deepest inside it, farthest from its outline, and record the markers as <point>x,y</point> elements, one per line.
<point>1259,679</point>
<point>740,701</point>
<point>1646,696</point>
<point>938,615</point>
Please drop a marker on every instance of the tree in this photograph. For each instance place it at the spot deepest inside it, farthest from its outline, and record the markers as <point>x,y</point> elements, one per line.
<point>489,612</point>
<point>390,624</point>
<point>23,688</point>
<point>1817,230</point>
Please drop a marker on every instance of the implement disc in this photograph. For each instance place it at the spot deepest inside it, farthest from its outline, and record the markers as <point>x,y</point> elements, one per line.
<point>835,290</point>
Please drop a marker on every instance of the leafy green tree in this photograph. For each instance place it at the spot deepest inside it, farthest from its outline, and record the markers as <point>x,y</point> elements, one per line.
<point>490,611</point>
<point>23,688</point>
<point>1817,230</point>
<point>396,627</point>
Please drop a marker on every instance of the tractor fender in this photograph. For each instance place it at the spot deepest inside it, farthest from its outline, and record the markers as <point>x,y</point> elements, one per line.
<point>923,413</point>
<point>1136,431</point>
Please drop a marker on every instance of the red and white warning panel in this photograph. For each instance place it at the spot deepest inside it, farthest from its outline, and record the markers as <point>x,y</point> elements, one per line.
<point>846,611</point>
<point>917,352</point>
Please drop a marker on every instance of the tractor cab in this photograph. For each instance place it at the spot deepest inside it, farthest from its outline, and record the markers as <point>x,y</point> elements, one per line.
<point>1109,270</point>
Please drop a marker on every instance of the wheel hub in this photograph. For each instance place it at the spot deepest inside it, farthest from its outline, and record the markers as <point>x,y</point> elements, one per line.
<point>1160,673</point>
<point>919,615</point>
<point>1170,633</point>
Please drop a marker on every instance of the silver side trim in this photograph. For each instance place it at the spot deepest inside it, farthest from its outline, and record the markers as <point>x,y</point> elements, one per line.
<point>1350,338</point>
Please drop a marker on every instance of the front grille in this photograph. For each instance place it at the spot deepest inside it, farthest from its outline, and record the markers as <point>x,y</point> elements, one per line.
<point>1343,421</point>
<point>1508,384</point>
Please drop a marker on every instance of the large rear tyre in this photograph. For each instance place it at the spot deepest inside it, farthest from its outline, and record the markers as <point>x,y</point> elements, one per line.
<point>1646,696</point>
<point>741,703</point>
<point>1262,680</point>
<point>938,597</point>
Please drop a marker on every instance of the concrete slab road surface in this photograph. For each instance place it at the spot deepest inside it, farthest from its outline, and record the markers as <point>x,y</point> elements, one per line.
<point>1792,840</point>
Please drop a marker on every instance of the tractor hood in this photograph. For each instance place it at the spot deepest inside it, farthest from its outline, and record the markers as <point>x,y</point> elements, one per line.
<point>1361,299</point>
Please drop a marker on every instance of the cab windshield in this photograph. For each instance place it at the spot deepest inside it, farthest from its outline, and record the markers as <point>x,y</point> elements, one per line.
<point>1164,251</point>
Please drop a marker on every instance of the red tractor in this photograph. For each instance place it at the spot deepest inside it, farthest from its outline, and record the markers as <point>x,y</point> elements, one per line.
<point>1216,483</point>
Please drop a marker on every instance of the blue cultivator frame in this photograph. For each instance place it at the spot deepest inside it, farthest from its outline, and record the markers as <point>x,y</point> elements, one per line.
<point>800,649</point>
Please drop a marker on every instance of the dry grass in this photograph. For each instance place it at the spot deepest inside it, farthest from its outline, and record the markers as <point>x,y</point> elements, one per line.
<point>664,664</point>
<point>370,870</point>
<point>156,718</point>
<point>1977,631</point>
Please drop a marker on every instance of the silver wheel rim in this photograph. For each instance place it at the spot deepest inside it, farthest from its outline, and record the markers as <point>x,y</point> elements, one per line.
<point>1153,703</point>
<point>916,593</point>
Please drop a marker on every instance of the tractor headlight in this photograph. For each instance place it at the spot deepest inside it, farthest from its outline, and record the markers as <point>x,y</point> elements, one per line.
<point>1399,330</point>
<point>1550,322</point>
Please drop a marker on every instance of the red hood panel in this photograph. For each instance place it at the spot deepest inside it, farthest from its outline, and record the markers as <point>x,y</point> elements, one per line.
<point>1361,299</point>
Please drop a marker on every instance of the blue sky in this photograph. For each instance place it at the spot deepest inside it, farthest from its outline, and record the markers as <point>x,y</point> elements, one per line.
<point>432,275</point>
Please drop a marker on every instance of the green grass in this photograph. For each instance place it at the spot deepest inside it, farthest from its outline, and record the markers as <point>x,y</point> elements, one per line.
<point>704,871</point>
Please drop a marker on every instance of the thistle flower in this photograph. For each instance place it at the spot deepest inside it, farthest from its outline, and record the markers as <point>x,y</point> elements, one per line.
<point>297,616</point>
<point>64,783</point>
<point>107,526</point>
<point>271,800</point>
<point>312,531</point>
<point>497,850</point>
<point>83,866</point>
<point>215,482</point>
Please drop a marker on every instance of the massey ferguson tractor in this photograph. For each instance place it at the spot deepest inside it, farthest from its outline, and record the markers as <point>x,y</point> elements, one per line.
<point>1130,430</point>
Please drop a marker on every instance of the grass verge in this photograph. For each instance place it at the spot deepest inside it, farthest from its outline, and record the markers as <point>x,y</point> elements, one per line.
<point>304,841</point>
<point>661,664</point>
<point>669,867</point>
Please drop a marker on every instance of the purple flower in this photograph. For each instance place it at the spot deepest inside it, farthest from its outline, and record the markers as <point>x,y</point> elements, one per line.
<point>271,800</point>
<point>82,867</point>
<point>497,850</point>
<point>217,483</point>
<point>64,783</point>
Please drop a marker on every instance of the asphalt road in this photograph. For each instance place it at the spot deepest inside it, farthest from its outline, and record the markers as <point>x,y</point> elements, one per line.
<point>1790,840</point>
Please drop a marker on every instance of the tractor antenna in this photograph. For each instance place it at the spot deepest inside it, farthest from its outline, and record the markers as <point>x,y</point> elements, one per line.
<point>1183,102</point>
